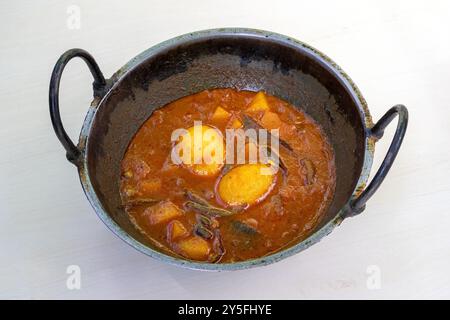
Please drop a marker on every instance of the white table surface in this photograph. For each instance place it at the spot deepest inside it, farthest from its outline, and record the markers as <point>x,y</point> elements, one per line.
<point>396,52</point>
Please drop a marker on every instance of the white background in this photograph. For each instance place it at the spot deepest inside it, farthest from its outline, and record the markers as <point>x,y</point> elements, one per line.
<point>395,51</point>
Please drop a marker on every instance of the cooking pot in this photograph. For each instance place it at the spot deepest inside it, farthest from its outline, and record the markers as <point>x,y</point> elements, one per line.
<point>243,59</point>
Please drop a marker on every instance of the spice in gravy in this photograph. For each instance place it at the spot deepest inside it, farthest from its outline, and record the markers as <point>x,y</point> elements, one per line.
<point>221,212</point>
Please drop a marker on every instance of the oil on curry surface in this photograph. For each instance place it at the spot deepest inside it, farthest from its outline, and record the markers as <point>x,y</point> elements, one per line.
<point>218,212</point>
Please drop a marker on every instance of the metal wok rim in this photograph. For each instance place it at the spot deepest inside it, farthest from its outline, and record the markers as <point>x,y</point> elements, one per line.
<point>322,59</point>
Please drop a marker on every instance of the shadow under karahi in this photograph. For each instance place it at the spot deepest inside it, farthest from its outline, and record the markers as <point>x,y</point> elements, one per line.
<point>121,272</point>
<point>240,284</point>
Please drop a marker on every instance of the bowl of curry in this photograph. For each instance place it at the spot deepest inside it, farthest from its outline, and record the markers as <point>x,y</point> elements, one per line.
<point>225,149</point>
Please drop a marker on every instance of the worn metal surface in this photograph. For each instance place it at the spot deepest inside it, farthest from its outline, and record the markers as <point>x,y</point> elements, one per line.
<point>244,59</point>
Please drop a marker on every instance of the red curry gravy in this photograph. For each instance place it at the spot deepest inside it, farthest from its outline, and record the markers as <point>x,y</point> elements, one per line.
<point>181,209</point>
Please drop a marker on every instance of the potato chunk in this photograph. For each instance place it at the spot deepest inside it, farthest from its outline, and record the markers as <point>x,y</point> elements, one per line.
<point>149,186</point>
<point>202,150</point>
<point>176,230</point>
<point>220,114</point>
<point>162,212</point>
<point>259,103</point>
<point>235,123</point>
<point>271,120</point>
<point>135,168</point>
<point>246,184</point>
<point>194,248</point>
